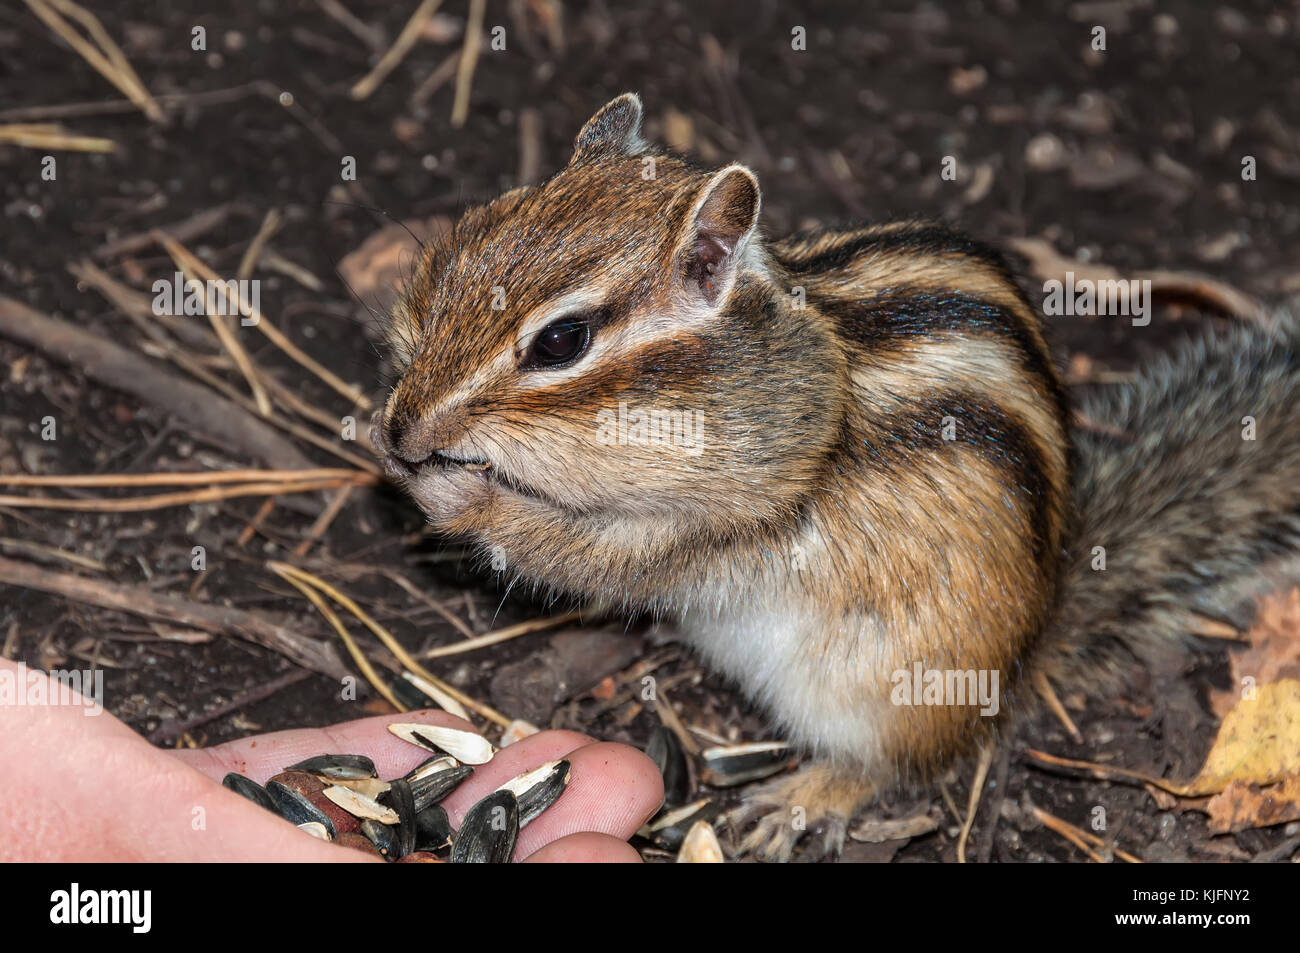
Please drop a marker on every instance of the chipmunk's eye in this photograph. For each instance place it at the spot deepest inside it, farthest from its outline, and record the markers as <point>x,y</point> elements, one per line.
<point>559,343</point>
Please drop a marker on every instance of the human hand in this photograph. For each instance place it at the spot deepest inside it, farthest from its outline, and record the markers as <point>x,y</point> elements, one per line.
<point>87,788</point>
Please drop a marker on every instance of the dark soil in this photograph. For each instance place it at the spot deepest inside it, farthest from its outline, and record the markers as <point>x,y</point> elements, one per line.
<point>1132,156</point>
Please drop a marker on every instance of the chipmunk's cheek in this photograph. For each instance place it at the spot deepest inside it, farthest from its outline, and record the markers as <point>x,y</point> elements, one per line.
<point>452,499</point>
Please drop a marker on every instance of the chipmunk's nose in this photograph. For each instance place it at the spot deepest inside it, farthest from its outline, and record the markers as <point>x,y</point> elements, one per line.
<point>396,447</point>
<point>406,445</point>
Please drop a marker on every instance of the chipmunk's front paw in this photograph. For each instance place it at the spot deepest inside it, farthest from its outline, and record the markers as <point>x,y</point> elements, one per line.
<point>815,796</point>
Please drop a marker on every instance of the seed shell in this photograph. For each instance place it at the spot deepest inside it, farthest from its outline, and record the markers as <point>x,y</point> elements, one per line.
<point>435,694</point>
<point>538,789</point>
<point>433,788</point>
<point>316,829</point>
<point>701,846</point>
<point>669,829</point>
<point>432,829</point>
<point>338,767</point>
<point>465,746</point>
<point>296,809</point>
<point>489,831</point>
<point>312,789</point>
<point>401,800</point>
<point>382,836</point>
<point>665,750</point>
<point>737,764</point>
<point>251,790</point>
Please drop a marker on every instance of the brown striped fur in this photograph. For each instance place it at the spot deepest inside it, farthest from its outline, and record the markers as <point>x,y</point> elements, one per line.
<point>830,531</point>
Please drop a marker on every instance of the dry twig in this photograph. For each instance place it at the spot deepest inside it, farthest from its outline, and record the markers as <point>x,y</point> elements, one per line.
<point>140,600</point>
<point>401,46</point>
<point>389,641</point>
<point>49,136</point>
<point>501,635</point>
<point>468,60</point>
<point>104,54</point>
<point>123,370</point>
<point>973,802</point>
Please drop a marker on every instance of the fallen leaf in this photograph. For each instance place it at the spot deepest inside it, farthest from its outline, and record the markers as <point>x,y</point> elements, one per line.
<point>1272,649</point>
<point>1242,805</point>
<point>376,270</point>
<point>1258,741</point>
<point>873,831</point>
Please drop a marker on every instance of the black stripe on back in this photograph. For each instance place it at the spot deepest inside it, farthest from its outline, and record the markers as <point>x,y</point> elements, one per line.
<point>893,321</point>
<point>896,440</point>
<point>918,239</point>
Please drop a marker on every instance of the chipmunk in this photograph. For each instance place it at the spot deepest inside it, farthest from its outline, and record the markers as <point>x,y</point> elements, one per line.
<point>881,471</point>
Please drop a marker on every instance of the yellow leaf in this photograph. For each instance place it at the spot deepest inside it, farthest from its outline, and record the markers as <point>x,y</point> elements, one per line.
<point>1258,742</point>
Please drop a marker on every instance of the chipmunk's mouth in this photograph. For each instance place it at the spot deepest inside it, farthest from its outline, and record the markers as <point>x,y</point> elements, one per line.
<point>409,472</point>
<point>489,473</point>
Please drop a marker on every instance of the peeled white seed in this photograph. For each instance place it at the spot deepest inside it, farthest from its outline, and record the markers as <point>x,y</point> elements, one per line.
<point>517,730</point>
<point>701,846</point>
<point>370,787</point>
<point>522,782</point>
<point>315,829</point>
<point>358,805</point>
<point>465,746</point>
<point>436,766</point>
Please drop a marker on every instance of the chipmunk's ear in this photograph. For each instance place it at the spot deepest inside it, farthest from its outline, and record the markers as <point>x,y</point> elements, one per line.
<point>726,212</point>
<point>616,128</point>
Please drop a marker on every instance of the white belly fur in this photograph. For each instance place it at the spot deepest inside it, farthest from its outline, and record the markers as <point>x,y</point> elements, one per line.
<point>821,700</point>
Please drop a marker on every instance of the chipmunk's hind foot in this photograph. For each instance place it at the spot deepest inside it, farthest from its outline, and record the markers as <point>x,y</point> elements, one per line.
<point>817,796</point>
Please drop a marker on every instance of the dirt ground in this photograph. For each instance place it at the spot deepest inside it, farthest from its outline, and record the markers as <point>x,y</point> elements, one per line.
<point>1131,157</point>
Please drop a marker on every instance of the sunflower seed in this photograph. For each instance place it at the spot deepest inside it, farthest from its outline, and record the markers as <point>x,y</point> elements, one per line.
<point>434,787</point>
<point>489,831</point>
<point>370,787</point>
<point>538,789</point>
<point>433,765</point>
<point>412,698</point>
<point>338,767</point>
<point>316,829</point>
<point>358,805</point>
<point>432,828</point>
<point>665,750</point>
<point>517,730</point>
<point>382,836</point>
<point>669,829</point>
<point>465,746</point>
<point>296,809</point>
<point>737,764</point>
<point>401,800</point>
<point>701,846</point>
<point>251,790</point>
<point>312,789</point>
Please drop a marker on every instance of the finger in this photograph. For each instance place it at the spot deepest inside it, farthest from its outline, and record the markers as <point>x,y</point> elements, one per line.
<point>613,789</point>
<point>586,849</point>
<point>263,756</point>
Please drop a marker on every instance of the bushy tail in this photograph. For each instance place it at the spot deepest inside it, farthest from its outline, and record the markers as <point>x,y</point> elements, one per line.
<point>1193,502</point>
